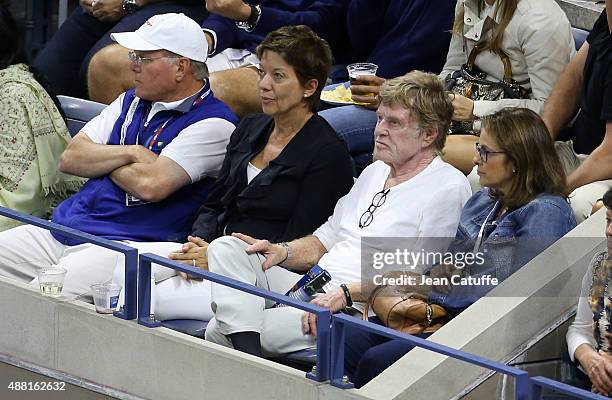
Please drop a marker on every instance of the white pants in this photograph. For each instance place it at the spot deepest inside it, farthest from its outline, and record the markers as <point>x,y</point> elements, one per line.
<point>583,198</point>
<point>236,311</point>
<point>26,249</point>
<point>230,59</point>
<point>172,297</point>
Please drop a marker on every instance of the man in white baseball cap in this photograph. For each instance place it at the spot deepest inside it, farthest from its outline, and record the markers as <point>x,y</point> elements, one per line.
<point>150,157</point>
<point>173,38</point>
<point>172,32</point>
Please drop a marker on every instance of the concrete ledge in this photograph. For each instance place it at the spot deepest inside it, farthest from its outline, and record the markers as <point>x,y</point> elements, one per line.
<point>581,13</point>
<point>70,337</point>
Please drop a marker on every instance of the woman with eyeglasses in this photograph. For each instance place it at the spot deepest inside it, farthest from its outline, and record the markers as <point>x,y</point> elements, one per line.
<point>282,174</point>
<point>520,213</point>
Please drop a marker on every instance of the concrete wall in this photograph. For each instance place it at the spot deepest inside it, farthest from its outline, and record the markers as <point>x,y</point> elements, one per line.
<point>123,357</point>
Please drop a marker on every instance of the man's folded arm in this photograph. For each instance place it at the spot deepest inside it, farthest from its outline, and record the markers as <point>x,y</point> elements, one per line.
<point>85,158</point>
<point>151,182</point>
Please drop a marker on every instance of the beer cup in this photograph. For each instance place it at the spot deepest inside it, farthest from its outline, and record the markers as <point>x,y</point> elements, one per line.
<point>357,69</point>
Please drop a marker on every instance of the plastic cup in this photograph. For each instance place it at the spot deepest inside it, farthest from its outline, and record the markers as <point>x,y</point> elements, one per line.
<point>357,69</point>
<point>51,281</point>
<point>106,297</point>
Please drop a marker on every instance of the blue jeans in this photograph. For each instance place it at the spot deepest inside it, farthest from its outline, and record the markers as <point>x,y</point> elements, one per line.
<point>366,354</point>
<point>355,125</point>
<point>65,58</point>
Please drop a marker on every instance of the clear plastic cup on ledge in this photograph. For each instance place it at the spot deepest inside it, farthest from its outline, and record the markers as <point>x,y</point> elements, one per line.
<point>51,281</point>
<point>106,297</point>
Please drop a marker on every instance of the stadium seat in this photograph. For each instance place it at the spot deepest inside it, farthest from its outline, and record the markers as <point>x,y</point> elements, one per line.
<point>78,112</point>
<point>193,327</point>
<point>303,359</point>
<point>580,36</point>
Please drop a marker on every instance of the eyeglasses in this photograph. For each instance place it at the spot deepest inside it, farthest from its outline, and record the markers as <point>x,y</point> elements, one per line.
<point>378,200</point>
<point>138,60</point>
<point>483,152</point>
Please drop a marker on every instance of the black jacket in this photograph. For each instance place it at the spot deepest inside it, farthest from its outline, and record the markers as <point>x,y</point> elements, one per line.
<point>291,197</point>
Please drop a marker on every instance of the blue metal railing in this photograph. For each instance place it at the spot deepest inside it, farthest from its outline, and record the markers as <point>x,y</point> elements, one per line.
<point>539,382</point>
<point>330,342</point>
<point>323,315</point>
<point>131,254</point>
<point>339,322</point>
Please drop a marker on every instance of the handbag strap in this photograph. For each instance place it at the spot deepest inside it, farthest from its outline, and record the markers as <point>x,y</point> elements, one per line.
<point>428,312</point>
<point>371,300</point>
<point>479,47</point>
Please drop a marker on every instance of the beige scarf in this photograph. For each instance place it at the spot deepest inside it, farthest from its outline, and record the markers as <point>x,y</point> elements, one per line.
<point>33,135</point>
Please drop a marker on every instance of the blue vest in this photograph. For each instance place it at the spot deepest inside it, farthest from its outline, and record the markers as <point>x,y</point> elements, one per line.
<point>102,208</point>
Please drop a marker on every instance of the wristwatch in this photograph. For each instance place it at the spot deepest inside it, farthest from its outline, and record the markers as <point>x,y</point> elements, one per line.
<point>129,6</point>
<point>252,21</point>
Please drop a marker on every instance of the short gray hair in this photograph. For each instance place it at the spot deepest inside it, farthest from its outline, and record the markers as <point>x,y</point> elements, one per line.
<point>199,70</point>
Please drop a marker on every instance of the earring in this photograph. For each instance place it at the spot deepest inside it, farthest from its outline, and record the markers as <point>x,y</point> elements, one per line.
<point>513,171</point>
<point>305,95</point>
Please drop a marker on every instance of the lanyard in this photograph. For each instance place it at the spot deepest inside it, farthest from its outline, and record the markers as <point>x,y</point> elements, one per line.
<point>143,122</point>
<point>482,228</point>
<point>156,134</point>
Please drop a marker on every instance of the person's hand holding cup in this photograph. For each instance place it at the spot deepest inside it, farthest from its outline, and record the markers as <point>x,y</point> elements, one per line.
<point>365,85</point>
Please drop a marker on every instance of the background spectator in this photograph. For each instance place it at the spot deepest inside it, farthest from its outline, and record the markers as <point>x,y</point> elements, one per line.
<point>534,34</point>
<point>399,36</point>
<point>232,47</point>
<point>33,134</point>
<point>585,86</point>
<point>589,339</point>
<point>65,58</point>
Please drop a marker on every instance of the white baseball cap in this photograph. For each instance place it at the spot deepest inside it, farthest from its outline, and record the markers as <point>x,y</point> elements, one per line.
<point>173,32</point>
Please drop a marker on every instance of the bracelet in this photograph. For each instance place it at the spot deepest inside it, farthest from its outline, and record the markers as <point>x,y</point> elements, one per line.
<point>347,295</point>
<point>252,21</point>
<point>286,246</point>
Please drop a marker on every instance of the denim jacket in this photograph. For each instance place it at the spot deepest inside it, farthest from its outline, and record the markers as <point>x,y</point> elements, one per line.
<point>506,245</point>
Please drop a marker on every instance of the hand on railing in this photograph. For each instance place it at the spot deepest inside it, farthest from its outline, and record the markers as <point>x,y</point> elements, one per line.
<point>193,253</point>
<point>334,301</point>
